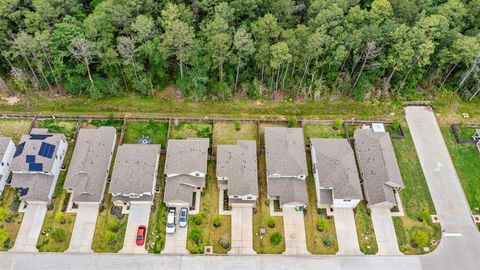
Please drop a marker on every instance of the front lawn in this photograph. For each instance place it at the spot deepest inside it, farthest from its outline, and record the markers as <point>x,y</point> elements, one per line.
<point>416,226</point>
<point>66,127</point>
<point>185,130</point>
<point>157,131</point>
<point>58,225</point>
<point>156,225</point>
<point>262,243</point>
<point>10,217</point>
<point>365,232</point>
<point>230,132</point>
<point>201,229</point>
<point>14,128</point>
<point>466,159</point>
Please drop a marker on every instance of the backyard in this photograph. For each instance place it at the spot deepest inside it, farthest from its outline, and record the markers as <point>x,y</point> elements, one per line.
<point>208,228</point>
<point>110,121</point>
<point>10,218</point>
<point>185,130</point>
<point>156,131</point>
<point>230,132</point>
<point>466,159</point>
<point>66,127</point>
<point>15,128</point>
<point>58,225</point>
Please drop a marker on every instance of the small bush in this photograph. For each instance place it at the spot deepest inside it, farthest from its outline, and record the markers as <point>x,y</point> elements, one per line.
<point>113,226</point>
<point>60,218</point>
<point>276,238</point>
<point>337,124</point>
<point>110,237</point>
<point>3,236</point>
<point>217,221</point>
<point>195,235</point>
<point>197,219</point>
<point>58,235</point>
<point>271,222</point>
<point>396,124</point>
<point>420,238</point>
<point>292,121</point>
<point>321,224</point>
<point>238,125</point>
<point>328,241</point>
<point>4,213</point>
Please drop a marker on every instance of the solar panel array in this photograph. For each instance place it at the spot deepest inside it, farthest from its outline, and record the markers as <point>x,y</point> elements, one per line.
<point>19,150</point>
<point>40,136</point>
<point>46,150</point>
<point>35,167</point>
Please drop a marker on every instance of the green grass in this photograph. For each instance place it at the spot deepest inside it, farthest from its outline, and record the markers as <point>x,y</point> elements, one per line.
<point>9,201</point>
<point>323,131</point>
<point>117,124</point>
<point>324,242</point>
<point>66,127</point>
<point>156,226</point>
<point>185,130</point>
<point>210,235</point>
<point>365,231</point>
<point>261,244</point>
<point>108,224</point>
<point>14,128</point>
<point>226,133</point>
<point>466,159</point>
<point>415,197</point>
<point>157,131</point>
<point>466,133</point>
<point>57,219</point>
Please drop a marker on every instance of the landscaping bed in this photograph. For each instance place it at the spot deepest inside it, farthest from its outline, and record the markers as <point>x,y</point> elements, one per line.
<point>10,218</point>
<point>14,128</point>
<point>156,131</point>
<point>208,228</point>
<point>365,231</point>
<point>66,127</point>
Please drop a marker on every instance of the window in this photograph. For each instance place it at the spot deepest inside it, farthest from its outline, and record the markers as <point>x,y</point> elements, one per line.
<point>249,197</point>
<point>347,200</point>
<point>235,197</point>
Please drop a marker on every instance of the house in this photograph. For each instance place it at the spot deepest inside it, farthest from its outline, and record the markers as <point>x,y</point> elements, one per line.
<point>237,171</point>
<point>185,170</point>
<point>7,150</point>
<point>286,165</point>
<point>378,167</point>
<point>36,165</point>
<point>134,174</point>
<point>87,175</point>
<point>337,183</point>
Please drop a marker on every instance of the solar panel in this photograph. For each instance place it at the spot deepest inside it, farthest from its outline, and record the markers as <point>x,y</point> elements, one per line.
<point>30,159</point>
<point>23,191</point>
<point>19,150</point>
<point>35,167</point>
<point>40,136</point>
<point>46,150</point>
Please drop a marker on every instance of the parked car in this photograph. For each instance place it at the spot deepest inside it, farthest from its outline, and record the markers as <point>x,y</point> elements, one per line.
<point>171,220</point>
<point>141,235</point>
<point>183,219</point>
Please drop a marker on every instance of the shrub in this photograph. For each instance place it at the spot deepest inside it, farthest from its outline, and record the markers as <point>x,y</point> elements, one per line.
<point>58,235</point>
<point>110,237</point>
<point>271,222</point>
<point>4,213</point>
<point>337,124</point>
<point>292,121</point>
<point>420,238</point>
<point>195,235</point>
<point>396,124</point>
<point>113,225</point>
<point>217,221</point>
<point>3,236</point>
<point>197,219</point>
<point>328,241</point>
<point>238,125</point>
<point>60,218</point>
<point>276,238</point>
<point>321,224</point>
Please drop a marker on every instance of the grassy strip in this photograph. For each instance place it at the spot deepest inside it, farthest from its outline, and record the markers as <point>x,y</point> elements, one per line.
<point>58,225</point>
<point>466,159</point>
<point>365,232</point>
<point>205,233</point>
<point>11,218</point>
<point>416,225</point>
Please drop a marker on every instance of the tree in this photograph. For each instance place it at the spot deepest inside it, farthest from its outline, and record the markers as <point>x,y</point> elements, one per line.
<point>370,52</point>
<point>178,41</point>
<point>243,47</point>
<point>218,42</point>
<point>84,51</point>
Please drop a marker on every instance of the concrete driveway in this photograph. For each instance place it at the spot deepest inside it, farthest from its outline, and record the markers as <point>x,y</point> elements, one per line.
<point>176,243</point>
<point>242,230</point>
<point>294,225</point>
<point>346,232</point>
<point>384,231</point>
<point>84,228</point>
<point>30,228</point>
<point>139,214</point>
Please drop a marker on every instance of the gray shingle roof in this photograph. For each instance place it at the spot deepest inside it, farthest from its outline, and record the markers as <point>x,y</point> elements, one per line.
<point>378,165</point>
<point>180,188</point>
<point>285,151</point>
<point>4,141</point>
<point>90,163</point>
<point>289,190</point>
<point>38,185</point>
<point>187,156</point>
<point>239,164</point>
<point>135,168</point>
<point>32,147</point>
<point>337,168</point>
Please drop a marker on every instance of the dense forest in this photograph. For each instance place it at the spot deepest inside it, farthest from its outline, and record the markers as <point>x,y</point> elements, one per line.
<point>257,48</point>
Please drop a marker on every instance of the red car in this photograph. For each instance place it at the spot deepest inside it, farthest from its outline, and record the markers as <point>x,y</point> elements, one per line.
<point>141,235</point>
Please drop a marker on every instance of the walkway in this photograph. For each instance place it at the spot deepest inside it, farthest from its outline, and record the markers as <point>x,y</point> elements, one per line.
<point>460,245</point>
<point>242,230</point>
<point>84,228</point>
<point>384,231</point>
<point>294,225</point>
<point>346,232</point>
<point>30,228</point>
